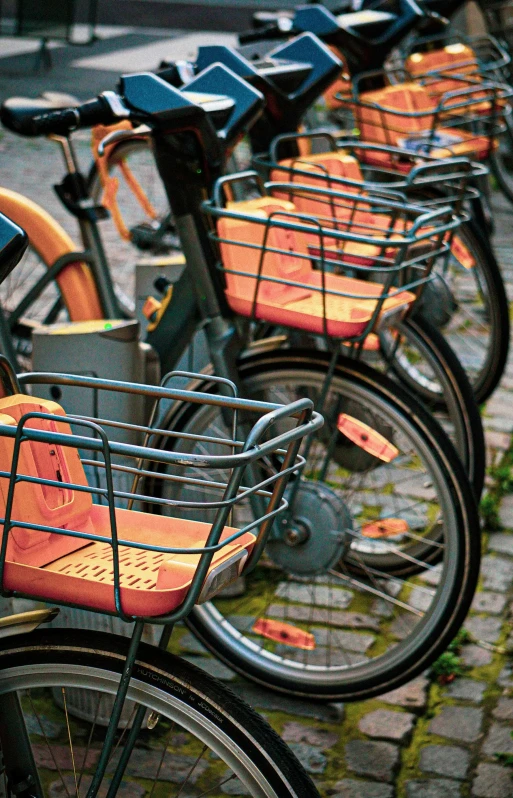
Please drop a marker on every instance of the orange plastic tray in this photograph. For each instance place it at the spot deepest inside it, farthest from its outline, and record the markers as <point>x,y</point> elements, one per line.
<point>289,303</point>
<point>324,165</point>
<point>319,168</point>
<point>457,59</point>
<point>61,568</point>
<point>383,127</point>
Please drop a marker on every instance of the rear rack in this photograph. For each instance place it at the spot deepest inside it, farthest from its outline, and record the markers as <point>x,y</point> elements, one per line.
<point>65,540</point>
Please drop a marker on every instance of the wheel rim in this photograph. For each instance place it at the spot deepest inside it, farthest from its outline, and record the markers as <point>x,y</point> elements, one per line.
<point>47,308</point>
<point>372,608</point>
<point>179,763</point>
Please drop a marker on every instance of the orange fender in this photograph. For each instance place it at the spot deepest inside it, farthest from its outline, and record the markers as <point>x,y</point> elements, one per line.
<point>51,241</point>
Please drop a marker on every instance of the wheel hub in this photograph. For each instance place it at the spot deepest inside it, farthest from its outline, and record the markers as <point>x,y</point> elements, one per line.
<point>437,303</point>
<point>314,534</point>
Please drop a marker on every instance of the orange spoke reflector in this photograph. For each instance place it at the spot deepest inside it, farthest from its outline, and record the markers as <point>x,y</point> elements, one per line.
<point>284,633</point>
<point>462,253</point>
<point>366,438</point>
<point>387,528</point>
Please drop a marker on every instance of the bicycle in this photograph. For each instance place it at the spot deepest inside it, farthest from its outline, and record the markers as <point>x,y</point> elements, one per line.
<point>70,543</point>
<point>442,373</point>
<point>497,19</point>
<point>389,31</point>
<point>440,542</point>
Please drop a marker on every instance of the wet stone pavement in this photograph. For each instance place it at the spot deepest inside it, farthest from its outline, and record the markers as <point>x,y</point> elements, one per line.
<point>425,740</point>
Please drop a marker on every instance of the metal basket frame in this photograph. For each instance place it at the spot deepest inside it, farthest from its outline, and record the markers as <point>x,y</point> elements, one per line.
<point>429,226</point>
<point>243,455</point>
<point>449,176</point>
<point>492,57</point>
<point>456,109</point>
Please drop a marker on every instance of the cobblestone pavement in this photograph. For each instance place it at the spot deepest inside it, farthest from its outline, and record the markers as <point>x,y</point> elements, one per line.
<point>425,740</point>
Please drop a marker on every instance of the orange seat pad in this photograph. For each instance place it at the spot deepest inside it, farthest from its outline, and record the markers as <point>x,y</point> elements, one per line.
<point>152,583</point>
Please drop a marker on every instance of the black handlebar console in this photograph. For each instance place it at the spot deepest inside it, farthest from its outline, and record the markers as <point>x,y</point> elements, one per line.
<point>145,97</point>
<point>364,37</point>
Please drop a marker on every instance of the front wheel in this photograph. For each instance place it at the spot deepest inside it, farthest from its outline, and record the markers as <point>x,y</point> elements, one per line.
<point>501,161</point>
<point>423,361</point>
<point>469,306</point>
<point>197,737</point>
<point>377,567</point>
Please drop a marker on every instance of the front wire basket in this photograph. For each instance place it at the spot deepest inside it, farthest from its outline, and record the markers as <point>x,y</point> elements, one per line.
<point>480,56</point>
<point>364,168</point>
<point>427,115</point>
<point>59,546</point>
<point>332,263</point>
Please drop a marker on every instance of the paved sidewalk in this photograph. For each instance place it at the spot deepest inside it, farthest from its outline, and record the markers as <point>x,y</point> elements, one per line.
<point>424,740</point>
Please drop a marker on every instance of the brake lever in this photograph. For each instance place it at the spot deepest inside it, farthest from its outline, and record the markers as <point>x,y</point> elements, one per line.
<point>122,135</point>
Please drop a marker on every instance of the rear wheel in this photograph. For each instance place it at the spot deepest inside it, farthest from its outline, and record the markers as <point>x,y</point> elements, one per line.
<point>377,565</point>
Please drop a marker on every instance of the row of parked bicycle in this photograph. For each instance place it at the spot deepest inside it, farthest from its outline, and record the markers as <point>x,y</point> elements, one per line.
<point>346,275</point>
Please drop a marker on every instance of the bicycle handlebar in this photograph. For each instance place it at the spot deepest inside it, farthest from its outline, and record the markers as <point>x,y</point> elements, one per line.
<point>144,97</point>
<point>22,117</point>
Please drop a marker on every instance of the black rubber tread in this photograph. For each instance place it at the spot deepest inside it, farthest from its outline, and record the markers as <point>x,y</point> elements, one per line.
<point>457,382</point>
<point>415,661</point>
<point>170,673</point>
<point>482,250</point>
<point>496,164</point>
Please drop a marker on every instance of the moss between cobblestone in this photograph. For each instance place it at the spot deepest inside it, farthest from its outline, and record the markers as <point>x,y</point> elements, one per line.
<point>335,768</point>
<point>421,736</point>
<point>437,699</point>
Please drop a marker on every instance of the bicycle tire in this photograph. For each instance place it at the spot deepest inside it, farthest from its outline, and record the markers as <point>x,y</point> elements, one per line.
<point>501,161</point>
<point>487,288</point>
<point>447,391</point>
<point>454,593</point>
<point>179,692</point>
